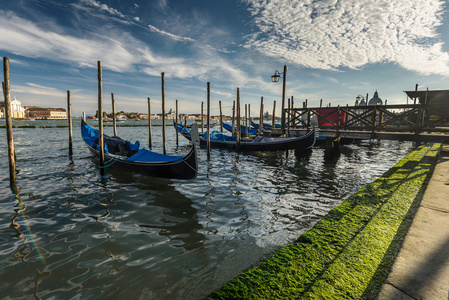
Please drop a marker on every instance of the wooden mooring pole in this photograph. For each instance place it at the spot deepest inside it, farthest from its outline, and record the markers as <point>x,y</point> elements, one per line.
<point>8,116</point>
<point>239,135</point>
<point>246,119</point>
<point>69,116</point>
<point>100,117</point>
<point>221,117</point>
<point>114,123</point>
<point>176,123</point>
<point>249,117</point>
<point>233,117</point>
<point>208,121</point>
<point>288,117</point>
<point>202,114</point>
<point>273,121</point>
<point>283,100</point>
<point>261,117</point>
<point>163,113</point>
<point>150,138</point>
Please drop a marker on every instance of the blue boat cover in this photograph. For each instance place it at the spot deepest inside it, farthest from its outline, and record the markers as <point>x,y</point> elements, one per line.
<point>135,146</point>
<point>90,136</point>
<point>216,135</point>
<point>145,155</point>
<point>183,129</point>
<point>243,128</point>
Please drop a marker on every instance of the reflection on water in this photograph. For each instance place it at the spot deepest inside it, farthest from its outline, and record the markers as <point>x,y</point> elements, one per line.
<point>71,233</point>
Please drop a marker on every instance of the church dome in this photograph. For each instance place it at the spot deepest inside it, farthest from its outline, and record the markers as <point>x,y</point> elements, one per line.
<point>375,100</point>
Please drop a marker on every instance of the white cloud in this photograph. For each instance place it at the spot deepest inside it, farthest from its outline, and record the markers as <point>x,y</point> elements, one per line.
<point>213,91</point>
<point>25,38</point>
<point>41,87</point>
<point>127,19</point>
<point>171,35</point>
<point>330,35</point>
<point>104,7</point>
<point>118,51</point>
<point>35,89</point>
<point>162,5</point>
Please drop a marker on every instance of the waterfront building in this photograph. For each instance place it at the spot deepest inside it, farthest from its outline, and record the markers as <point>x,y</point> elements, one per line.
<point>17,110</point>
<point>58,114</point>
<point>46,113</point>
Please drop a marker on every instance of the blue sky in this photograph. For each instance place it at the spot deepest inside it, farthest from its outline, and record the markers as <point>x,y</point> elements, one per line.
<point>334,51</point>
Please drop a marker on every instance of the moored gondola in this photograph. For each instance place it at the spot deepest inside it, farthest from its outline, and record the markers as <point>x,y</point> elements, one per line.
<point>259,143</point>
<point>120,153</point>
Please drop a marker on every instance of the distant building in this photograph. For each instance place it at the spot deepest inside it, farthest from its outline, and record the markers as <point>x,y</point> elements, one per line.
<point>17,110</point>
<point>375,100</point>
<point>46,113</point>
<point>58,114</point>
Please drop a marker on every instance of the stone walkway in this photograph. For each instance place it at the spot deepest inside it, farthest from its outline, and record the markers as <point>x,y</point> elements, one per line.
<point>421,269</point>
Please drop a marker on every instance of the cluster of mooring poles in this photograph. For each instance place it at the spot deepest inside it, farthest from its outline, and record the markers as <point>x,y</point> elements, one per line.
<point>8,117</point>
<point>100,116</point>
<point>236,117</point>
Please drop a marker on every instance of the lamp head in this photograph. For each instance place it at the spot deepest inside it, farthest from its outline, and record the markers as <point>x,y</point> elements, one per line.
<point>275,77</point>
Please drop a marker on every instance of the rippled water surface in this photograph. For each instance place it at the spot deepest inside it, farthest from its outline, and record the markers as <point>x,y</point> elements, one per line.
<point>79,235</point>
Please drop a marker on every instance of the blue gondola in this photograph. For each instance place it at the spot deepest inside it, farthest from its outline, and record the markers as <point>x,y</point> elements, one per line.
<point>124,154</point>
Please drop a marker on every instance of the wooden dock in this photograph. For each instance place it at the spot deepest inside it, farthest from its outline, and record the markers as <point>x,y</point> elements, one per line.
<point>409,122</point>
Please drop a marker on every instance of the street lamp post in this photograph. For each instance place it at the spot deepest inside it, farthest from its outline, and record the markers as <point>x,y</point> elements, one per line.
<point>275,78</point>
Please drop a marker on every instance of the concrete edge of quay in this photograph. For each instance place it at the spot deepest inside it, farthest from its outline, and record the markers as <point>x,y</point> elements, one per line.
<point>421,268</point>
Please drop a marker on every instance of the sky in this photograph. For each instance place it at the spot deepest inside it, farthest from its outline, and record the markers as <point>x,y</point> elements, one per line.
<point>334,51</point>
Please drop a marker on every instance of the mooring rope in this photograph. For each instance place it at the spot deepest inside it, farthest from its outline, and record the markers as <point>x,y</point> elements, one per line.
<point>105,166</point>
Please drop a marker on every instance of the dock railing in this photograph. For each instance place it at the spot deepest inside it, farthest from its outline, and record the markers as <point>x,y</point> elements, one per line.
<point>401,122</point>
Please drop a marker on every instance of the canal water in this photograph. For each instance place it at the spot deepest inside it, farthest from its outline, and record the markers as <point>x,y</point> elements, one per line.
<point>72,234</point>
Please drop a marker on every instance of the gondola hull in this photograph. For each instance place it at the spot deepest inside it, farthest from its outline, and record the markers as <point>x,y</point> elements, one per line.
<point>185,169</point>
